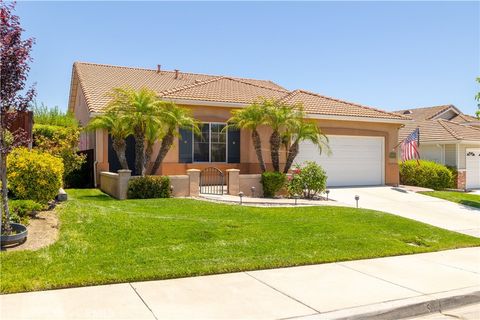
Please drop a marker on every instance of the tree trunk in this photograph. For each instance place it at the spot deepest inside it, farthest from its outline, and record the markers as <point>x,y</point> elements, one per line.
<point>257,144</point>
<point>148,155</point>
<point>275,144</point>
<point>167,142</point>
<point>291,155</point>
<point>5,227</point>
<point>119,145</point>
<point>139,136</point>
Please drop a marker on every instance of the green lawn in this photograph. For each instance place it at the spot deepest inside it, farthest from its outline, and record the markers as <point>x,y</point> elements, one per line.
<point>106,241</point>
<point>468,199</point>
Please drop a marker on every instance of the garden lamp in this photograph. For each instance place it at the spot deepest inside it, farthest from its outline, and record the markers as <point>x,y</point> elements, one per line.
<point>357,197</point>
<point>240,194</point>
<point>253,191</point>
<point>327,192</point>
<point>295,196</point>
<point>171,189</point>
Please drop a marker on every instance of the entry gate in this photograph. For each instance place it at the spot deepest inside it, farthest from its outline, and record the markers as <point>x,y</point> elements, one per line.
<point>212,181</point>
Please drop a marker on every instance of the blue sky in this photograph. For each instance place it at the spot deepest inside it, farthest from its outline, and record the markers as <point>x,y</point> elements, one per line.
<point>390,55</point>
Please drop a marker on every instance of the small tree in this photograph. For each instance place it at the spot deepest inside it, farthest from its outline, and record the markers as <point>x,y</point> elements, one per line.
<point>140,109</point>
<point>279,117</point>
<point>251,118</point>
<point>119,129</point>
<point>298,131</point>
<point>172,117</point>
<point>14,67</point>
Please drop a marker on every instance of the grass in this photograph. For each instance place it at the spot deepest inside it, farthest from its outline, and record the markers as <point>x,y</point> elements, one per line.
<point>107,241</point>
<point>468,199</point>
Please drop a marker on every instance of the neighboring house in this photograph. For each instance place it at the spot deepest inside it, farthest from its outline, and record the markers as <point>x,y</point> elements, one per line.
<point>449,137</point>
<point>361,138</point>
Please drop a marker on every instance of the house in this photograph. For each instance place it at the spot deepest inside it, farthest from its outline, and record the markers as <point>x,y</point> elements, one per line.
<point>449,137</point>
<point>361,138</point>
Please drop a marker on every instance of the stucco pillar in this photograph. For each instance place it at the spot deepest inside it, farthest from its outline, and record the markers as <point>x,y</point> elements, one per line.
<point>233,181</point>
<point>194,182</point>
<point>123,178</point>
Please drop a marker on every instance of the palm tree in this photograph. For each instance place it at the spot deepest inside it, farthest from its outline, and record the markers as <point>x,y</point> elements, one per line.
<point>154,132</point>
<point>141,109</point>
<point>250,118</point>
<point>279,117</point>
<point>298,131</point>
<point>172,117</point>
<point>118,128</point>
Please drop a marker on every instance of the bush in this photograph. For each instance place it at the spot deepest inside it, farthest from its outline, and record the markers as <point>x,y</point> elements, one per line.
<point>308,180</point>
<point>427,174</point>
<point>34,175</point>
<point>62,142</point>
<point>21,210</point>
<point>149,187</point>
<point>272,183</point>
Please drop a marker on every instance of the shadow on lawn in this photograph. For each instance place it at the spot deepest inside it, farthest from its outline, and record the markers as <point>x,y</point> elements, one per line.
<point>470,203</point>
<point>96,197</point>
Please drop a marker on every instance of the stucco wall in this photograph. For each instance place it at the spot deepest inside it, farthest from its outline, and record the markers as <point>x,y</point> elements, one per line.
<point>249,163</point>
<point>451,155</point>
<point>247,181</point>
<point>432,152</point>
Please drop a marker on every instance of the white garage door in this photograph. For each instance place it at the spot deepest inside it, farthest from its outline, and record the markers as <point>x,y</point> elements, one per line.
<point>473,168</point>
<point>354,161</point>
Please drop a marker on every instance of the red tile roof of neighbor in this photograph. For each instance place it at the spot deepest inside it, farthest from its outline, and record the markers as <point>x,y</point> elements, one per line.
<point>98,80</point>
<point>435,129</point>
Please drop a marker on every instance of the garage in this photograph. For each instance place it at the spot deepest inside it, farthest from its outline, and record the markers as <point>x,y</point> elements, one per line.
<point>473,168</point>
<point>354,160</point>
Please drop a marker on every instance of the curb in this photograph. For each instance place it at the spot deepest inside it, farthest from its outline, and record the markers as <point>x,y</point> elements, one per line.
<point>407,308</point>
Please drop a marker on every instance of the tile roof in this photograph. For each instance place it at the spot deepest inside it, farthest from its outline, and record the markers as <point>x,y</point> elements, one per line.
<point>432,129</point>
<point>314,103</point>
<point>425,113</point>
<point>98,80</point>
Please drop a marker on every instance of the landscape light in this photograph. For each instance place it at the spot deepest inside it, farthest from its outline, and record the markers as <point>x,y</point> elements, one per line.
<point>240,194</point>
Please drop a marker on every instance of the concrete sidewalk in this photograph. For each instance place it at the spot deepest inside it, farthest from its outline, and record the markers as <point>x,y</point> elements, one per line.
<point>326,291</point>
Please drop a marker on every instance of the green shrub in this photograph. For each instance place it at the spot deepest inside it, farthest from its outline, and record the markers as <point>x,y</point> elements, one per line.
<point>21,210</point>
<point>454,172</point>
<point>149,187</point>
<point>272,182</point>
<point>53,116</point>
<point>34,175</point>
<point>427,174</point>
<point>307,181</point>
<point>62,142</point>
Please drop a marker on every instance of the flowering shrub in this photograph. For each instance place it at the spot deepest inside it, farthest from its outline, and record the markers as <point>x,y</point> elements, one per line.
<point>34,175</point>
<point>307,181</point>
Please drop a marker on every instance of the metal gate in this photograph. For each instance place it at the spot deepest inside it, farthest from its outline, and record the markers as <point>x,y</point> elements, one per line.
<point>212,181</point>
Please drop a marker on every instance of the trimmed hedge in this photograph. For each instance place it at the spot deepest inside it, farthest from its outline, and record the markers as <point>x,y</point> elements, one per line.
<point>149,187</point>
<point>34,175</point>
<point>272,183</point>
<point>427,174</point>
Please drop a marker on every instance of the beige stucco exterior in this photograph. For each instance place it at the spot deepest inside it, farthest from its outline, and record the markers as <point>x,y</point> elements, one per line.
<point>248,161</point>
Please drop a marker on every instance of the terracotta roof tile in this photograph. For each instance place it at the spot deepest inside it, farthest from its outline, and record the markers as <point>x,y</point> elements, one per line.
<point>440,130</point>
<point>98,80</point>
<point>318,104</point>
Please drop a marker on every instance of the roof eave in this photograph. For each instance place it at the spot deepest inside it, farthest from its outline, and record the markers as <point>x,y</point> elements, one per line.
<point>356,118</point>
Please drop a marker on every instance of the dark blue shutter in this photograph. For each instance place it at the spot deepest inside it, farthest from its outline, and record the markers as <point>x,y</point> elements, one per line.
<point>233,145</point>
<point>185,146</point>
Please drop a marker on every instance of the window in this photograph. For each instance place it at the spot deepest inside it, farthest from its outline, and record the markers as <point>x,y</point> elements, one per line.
<point>211,145</point>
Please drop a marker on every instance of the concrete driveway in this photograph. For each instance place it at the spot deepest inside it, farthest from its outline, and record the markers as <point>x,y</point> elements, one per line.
<point>441,213</point>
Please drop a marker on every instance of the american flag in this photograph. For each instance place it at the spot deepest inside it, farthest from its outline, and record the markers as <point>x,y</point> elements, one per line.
<point>410,146</point>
